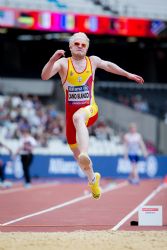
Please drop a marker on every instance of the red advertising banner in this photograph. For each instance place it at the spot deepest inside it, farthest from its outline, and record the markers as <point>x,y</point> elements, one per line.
<point>91,24</point>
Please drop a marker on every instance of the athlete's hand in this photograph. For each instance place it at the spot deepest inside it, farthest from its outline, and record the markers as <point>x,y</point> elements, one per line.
<point>58,54</point>
<point>135,78</point>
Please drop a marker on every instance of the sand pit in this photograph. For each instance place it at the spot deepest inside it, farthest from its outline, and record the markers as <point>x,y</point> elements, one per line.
<point>85,240</point>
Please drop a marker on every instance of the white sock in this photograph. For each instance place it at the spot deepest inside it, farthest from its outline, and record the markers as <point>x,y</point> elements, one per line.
<point>91,176</point>
<point>93,180</point>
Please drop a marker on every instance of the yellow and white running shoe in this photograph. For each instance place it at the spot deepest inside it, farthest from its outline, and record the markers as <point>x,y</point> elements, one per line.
<point>95,187</point>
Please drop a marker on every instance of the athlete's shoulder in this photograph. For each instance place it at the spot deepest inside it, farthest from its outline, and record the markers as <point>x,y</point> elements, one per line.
<point>95,60</point>
<point>63,60</point>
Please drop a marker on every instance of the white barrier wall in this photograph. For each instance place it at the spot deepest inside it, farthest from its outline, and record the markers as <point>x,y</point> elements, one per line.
<point>26,86</point>
<point>149,126</point>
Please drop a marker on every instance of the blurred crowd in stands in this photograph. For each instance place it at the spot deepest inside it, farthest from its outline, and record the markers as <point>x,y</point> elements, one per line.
<point>44,121</point>
<point>147,100</point>
<point>140,104</point>
<point>18,112</point>
<point>137,102</point>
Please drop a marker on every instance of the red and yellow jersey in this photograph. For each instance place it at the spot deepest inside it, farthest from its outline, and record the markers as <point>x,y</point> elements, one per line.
<point>79,86</point>
<point>79,93</point>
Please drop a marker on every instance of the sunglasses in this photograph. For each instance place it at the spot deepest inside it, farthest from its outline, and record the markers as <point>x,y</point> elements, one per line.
<point>83,45</point>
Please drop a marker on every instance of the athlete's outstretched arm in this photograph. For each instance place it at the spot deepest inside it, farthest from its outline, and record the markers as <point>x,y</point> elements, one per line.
<point>115,69</point>
<point>53,66</point>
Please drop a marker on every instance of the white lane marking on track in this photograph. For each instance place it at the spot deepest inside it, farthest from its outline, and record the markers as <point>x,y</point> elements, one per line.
<point>147,199</point>
<point>36,186</point>
<point>107,189</point>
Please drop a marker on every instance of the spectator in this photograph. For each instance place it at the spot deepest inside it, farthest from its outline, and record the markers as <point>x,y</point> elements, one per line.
<point>27,144</point>
<point>3,182</point>
<point>103,131</point>
<point>140,104</point>
<point>133,144</point>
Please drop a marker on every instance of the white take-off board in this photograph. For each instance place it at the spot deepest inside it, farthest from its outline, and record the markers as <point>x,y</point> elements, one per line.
<point>150,216</point>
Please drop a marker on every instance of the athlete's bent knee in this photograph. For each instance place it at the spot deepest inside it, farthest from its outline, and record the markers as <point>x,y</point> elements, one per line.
<point>77,118</point>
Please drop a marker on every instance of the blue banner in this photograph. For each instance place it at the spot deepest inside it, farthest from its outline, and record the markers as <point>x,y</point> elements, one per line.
<point>66,166</point>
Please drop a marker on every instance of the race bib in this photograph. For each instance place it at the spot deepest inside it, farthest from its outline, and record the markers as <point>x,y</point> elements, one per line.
<point>78,95</point>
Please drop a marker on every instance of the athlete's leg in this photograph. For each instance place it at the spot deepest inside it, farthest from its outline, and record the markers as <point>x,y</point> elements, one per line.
<point>86,168</point>
<point>80,118</point>
<point>77,134</point>
<point>134,172</point>
<point>93,178</point>
<point>134,175</point>
<point>80,148</point>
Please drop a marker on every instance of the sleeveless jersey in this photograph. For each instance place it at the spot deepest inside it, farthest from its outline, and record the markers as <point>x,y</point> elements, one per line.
<point>133,143</point>
<point>79,93</point>
<point>79,86</point>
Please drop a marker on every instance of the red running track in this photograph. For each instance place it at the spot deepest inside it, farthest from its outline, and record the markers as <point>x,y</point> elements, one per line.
<point>67,206</point>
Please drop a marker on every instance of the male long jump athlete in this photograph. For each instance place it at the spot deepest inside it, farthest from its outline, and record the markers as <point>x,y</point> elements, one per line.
<point>77,75</point>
